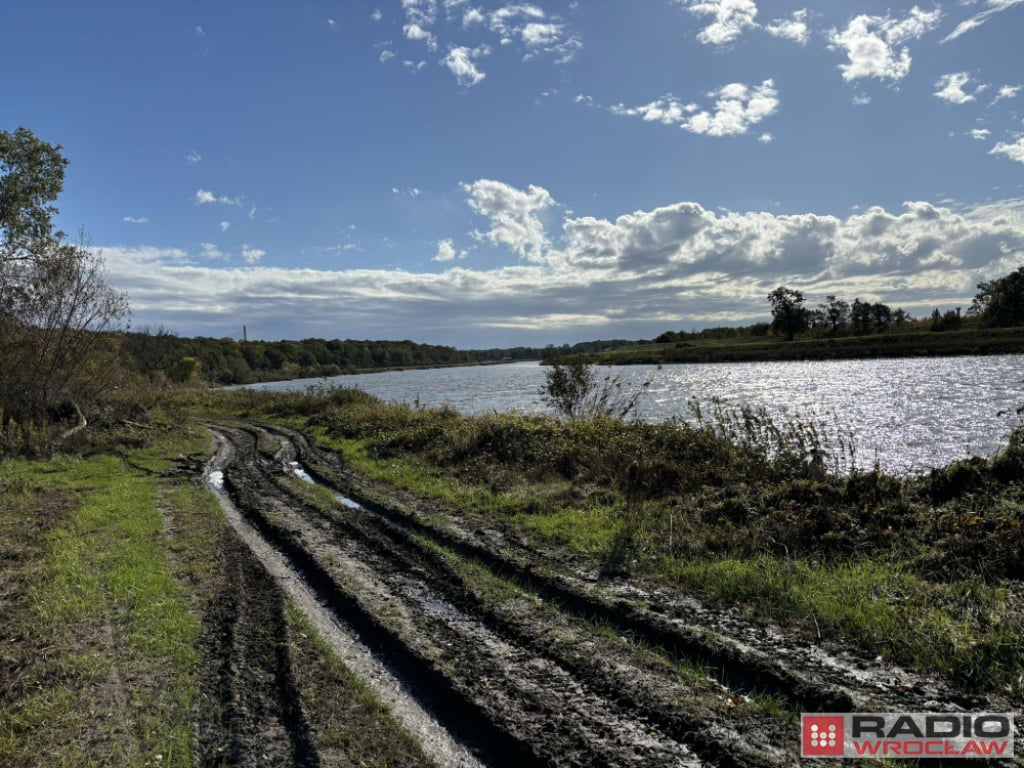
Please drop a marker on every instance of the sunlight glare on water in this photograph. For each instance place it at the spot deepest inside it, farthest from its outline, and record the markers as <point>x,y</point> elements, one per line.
<point>908,414</point>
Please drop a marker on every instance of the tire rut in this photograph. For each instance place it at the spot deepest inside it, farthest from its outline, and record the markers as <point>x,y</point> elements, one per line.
<point>744,656</point>
<point>537,707</point>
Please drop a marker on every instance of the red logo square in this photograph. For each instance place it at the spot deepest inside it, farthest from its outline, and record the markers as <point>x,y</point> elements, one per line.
<point>821,736</point>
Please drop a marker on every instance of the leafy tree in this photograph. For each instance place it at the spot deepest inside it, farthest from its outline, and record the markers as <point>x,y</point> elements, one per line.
<point>576,392</point>
<point>1000,302</point>
<point>881,316</point>
<point>56,306</point>
<point>788,314</point>
<point>836,311</point>
<point>860,316</point>
<point>31,178</point>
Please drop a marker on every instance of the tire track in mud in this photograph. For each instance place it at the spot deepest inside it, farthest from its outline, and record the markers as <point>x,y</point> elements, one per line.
<point>383,558</point>
<point>250,706</point>
<point>525,709</point>
<point>744,656</point>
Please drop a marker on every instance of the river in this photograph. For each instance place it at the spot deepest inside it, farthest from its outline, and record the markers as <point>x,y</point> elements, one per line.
<point>906,414</point>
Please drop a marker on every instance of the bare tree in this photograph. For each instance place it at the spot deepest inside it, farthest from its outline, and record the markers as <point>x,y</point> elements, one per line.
<point>57,315</point>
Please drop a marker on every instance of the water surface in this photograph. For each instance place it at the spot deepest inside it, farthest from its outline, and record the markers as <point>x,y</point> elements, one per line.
<point>908,414</point>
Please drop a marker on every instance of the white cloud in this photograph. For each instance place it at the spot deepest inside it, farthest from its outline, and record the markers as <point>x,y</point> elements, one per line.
<point>385,55</point>
<point>252,255</point>
<point>200,32</point>
<point>225,225</point>
<point>584,99</point>
<point>793,28</point>
<point>992,7</point>
<point>514,215</point>
<point>980,133</point>
<point>951,88</point>
<point>473,16</point>
<point>629,276</point>
<point>193,157</point>
<point>730,18</point>
<point>1014,151</point>
<point>861,99</point>
<point>536,34</point>
<point>870,43</point>
<point>376,15</point>
<point>737,108</point>
<point>332,24</point>
<point>445,251</point>
<point>211,252</point>
<point>414,66</point>
<point>205,197</point>
<point>420,16</point>
<point>1006,92</point>
<point>461,63</point>
<point>766,138</point>
<point>416,32</point>
<point>135,220</point>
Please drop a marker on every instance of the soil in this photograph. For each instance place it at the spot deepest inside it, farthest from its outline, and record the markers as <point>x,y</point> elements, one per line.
<point>490,651</point>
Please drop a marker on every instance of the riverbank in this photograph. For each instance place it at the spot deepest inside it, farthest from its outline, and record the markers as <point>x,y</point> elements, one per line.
<point>724,510</point>
<point>911,343</point>
<point>551,578</point>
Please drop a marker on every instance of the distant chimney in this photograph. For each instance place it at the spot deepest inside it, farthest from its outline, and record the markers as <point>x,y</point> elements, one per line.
<point>245,334</point>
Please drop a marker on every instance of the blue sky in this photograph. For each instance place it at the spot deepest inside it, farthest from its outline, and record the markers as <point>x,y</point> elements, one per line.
<point>481,173</point>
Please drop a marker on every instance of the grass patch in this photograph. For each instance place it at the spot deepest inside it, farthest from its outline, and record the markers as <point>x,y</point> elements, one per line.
<point>103,625</point>
<point>966,631</point>
<point>352,725</point>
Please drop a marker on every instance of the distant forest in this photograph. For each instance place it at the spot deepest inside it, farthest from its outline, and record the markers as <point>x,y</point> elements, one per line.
<point>158,353</point>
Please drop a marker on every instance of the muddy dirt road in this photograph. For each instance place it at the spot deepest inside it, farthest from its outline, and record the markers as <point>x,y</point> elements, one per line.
<point>487,651</point>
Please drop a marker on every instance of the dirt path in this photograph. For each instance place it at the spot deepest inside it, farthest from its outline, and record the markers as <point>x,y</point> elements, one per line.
<point>491,655</point>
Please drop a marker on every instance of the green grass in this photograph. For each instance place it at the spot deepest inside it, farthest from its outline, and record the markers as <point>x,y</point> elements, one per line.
<point>116,685</point>
<point>965,630</point>
<point>353,724</point>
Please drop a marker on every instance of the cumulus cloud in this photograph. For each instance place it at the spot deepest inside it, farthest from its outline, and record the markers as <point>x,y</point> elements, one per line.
<point>473,16</point>
<point>951,88</point>
<point>514,215</point>
<point>376,15</point>
<point>445,251</point>
<point>870,43</point>
<point>632,275</point>
<point>416,32</point>
<point>794,28</point>
<point>992,7</point>
<point>980,133</point>
<point>385,55</point>
<point>135,220</point>
<point>1006,92</point>
<point>252,255</point>
<point>1014,150</point>
<point>205,197</point>
<point>193,157</point>
<point>737,107</point>
<point>730,18</point>
<point>225,225</point>
<point>461,63</point>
